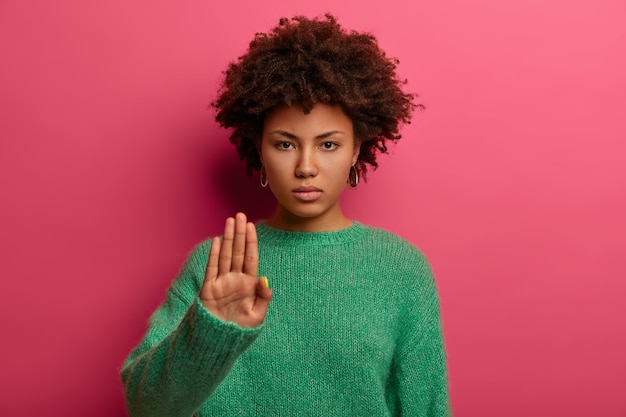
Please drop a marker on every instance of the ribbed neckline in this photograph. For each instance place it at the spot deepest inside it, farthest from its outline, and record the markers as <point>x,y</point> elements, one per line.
<point>286,237</point>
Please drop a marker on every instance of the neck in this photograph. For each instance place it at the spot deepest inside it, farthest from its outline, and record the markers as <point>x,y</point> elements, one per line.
<point>330,222</point>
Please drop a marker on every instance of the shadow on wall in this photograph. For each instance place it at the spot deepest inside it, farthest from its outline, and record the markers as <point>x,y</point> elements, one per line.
<point>237,191</point>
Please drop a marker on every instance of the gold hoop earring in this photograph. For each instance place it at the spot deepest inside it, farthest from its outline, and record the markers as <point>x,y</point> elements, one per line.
<point>353,179</point>
<point>263,178</point>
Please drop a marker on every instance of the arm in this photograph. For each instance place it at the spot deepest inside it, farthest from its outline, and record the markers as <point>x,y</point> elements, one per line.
<point>212,313</point>
<point>419,373</point>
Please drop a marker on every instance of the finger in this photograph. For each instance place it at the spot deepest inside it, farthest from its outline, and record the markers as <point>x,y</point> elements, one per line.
<point>214,253</point>
<point>239,244</point>
<point>226,250</point>
<point>263,296</point>
<point>251,262</point>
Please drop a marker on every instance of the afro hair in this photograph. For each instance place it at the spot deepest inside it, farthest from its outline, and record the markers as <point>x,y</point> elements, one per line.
<point>307,61</point>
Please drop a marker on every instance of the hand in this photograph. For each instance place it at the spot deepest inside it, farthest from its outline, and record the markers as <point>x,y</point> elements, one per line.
<point>231,290</point>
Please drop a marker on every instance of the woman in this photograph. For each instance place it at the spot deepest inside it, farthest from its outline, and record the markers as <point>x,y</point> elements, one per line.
<point>351,325</point>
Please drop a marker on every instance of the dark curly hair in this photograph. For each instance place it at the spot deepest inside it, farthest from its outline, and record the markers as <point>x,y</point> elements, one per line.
<point>307,61</point>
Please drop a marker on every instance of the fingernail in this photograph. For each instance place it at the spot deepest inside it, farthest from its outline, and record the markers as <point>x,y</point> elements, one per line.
<point>267,283</point>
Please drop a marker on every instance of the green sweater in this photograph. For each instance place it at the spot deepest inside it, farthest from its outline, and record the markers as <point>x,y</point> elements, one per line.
<point>353,329</point>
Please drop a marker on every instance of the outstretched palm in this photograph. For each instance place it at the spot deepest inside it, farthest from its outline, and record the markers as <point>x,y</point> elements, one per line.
<point>231,290</point>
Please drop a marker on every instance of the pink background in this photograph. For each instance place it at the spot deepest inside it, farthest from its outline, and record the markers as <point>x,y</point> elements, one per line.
<point>512,182</point>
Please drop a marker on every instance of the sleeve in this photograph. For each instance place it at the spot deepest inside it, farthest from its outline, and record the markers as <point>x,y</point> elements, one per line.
<point>419,373</point>
<point>186,351</point>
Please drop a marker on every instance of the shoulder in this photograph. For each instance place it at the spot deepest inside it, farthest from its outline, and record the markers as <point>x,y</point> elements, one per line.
<point>393,245</point>
<point>191,275</point>
<point>404,270</point>
<point>198,256</point>
<point>397,258</point>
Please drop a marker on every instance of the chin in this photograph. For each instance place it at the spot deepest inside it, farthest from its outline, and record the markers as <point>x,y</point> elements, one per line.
<point>307,214</point>
<point>304,211</point>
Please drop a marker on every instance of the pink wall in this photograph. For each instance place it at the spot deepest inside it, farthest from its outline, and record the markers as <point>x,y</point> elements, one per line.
<point>512,182</point>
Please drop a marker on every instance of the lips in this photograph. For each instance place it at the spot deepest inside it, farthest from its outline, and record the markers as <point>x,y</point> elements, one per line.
<point>308,193</point>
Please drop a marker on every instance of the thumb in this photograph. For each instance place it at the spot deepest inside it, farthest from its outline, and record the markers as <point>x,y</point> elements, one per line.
<point>263,295</point>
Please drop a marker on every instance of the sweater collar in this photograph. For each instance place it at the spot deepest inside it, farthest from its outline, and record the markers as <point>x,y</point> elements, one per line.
<point>268,234</point>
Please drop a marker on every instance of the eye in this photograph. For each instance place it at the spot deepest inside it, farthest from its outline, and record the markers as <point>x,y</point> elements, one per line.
<point>283,146</point>
<point>329,146</point>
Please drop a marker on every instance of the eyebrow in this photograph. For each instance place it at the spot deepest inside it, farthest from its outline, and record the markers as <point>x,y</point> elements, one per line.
<point>289,135</point>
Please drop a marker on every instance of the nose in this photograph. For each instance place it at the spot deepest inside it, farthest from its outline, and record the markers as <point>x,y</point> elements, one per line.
<point>306,165</point>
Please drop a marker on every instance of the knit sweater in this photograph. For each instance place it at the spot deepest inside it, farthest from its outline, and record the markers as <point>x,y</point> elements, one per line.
<point>353,329</point>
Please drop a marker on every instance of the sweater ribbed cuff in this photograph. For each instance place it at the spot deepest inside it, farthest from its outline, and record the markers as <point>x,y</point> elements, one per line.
<point>213,341</point>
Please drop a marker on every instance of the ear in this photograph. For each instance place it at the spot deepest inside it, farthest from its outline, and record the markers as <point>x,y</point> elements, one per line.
<point>357,151</point>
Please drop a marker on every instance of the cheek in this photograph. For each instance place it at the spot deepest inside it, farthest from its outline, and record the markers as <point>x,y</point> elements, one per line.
<point>338,171</point>
<point>345,161</point>
<point>276,169</point>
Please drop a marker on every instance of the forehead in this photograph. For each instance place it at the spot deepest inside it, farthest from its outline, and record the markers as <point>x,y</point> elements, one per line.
<point>321,118</point>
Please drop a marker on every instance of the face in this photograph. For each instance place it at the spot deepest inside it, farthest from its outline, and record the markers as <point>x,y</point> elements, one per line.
<point>307,159</point>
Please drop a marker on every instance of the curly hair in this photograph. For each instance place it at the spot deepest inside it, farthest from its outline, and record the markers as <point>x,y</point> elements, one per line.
<point>307,61</point>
